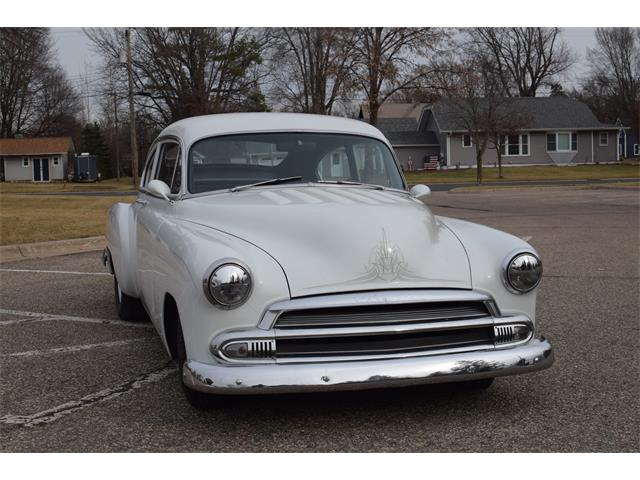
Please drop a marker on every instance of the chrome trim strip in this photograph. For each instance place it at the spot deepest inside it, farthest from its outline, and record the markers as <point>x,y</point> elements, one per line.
<point>386,329</point>
<point>382,297</point>
<point>263,379</point>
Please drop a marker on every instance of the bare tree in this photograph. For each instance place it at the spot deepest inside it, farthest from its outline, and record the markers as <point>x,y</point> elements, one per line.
<point>389,60</point>
<point>182,72</point>
<point>522,59</point>
<point>507,120</point>
<point>612,86</point>
<point>311,67</point>
<point>56,104</point>
<point>24,53</point>
<point>475,103</point>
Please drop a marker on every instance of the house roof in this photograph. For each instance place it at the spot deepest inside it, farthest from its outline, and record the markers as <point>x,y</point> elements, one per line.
<point>395,110</point>
<point>398,139</point>
<point>406,124</point>
<point>35,146</point>
<point>543,112</point>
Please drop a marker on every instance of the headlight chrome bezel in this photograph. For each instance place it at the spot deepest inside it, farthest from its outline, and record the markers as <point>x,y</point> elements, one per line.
<point>506,267</point>
<point>209,275</point>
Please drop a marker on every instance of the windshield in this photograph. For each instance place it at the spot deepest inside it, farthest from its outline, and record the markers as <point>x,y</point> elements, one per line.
<point>224,162</point>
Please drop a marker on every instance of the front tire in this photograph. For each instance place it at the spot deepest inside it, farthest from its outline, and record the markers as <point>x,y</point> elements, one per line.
<point>199,400</point>
<point>129,309</point>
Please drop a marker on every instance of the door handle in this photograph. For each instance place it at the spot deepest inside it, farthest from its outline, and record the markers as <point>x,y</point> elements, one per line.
<point>141,201</point>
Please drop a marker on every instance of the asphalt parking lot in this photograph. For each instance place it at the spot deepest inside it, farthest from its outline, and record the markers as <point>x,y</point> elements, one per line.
<point>74,378</point>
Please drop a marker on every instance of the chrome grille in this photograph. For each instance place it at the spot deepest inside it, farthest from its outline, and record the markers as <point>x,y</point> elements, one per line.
<point>380,315</point>
<point>383,329</point>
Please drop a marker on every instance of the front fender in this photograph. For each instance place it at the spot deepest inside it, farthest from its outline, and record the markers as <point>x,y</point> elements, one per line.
<point>487,249</point>
<point>190,250</point>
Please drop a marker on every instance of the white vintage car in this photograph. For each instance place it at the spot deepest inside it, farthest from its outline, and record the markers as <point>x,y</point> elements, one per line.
<point>285,253</point>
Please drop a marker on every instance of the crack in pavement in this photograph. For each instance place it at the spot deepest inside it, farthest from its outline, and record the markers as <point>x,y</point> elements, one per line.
<point>73,348</point>
<point>45,317</point>
<point>55,413</point>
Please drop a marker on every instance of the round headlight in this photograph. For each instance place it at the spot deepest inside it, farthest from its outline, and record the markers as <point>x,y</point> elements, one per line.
<point>228,286</point>
<point>523,272</point>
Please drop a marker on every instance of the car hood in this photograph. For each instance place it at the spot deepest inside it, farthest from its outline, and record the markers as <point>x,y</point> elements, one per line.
<point>339,238</point>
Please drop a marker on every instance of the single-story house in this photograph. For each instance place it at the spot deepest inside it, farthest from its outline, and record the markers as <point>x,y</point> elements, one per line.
<point>35,159</point>
<point>400,123</point>
<point>558,131</point>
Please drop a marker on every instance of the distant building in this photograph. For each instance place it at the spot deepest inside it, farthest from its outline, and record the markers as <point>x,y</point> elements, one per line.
<point>560,131</point>
<point>35,159</point>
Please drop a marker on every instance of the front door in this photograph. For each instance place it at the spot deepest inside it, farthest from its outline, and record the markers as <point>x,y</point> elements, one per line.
<point>40,169</point>
<point>45,169</point>
<point>37,172</point>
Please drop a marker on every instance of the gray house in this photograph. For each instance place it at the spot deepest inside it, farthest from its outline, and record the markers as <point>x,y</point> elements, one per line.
<point>35,159</point>
<point>559,131</point>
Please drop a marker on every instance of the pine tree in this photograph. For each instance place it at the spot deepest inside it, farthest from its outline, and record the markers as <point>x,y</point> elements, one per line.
<point>93,142</point>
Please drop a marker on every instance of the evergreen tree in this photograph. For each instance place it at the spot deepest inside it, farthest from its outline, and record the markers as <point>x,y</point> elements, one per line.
<point>93,142</point>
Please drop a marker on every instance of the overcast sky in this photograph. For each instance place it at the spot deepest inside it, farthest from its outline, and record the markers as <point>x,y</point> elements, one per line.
<point>76,56</point>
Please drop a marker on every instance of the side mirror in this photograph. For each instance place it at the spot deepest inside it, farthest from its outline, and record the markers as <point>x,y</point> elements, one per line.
<point>420,191</point>
<point>159,189</point>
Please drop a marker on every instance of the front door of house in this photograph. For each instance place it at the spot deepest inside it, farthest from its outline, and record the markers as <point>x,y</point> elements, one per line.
<point>40,169</point>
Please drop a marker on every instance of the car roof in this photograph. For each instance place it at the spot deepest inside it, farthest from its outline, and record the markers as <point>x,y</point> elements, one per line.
<point>196,128</point>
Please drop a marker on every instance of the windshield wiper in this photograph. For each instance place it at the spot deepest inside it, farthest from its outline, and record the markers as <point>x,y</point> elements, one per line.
<point>272,181</point>
<point>349,182</point>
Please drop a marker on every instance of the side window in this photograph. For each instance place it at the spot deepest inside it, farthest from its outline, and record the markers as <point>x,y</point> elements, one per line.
<point>169,167</point>
<point>148,167</point>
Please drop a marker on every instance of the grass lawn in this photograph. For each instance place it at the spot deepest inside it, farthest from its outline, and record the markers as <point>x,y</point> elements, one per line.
<point>580,172</point>
<point>123,184</point>
<point>39,218</point>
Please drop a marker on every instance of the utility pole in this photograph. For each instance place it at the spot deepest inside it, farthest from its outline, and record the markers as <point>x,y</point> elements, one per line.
<point>132,114</point>
<point>115,114</point>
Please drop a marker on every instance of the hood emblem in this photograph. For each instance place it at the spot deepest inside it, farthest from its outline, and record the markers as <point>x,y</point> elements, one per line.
<point>386,261</point>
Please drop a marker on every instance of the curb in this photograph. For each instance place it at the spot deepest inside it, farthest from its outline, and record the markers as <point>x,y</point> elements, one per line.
<point>11,253</point>
<point>586,186</point>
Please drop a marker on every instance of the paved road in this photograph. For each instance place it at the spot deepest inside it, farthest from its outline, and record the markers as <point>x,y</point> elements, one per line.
<point>436,187</point>
<point>73,378</point>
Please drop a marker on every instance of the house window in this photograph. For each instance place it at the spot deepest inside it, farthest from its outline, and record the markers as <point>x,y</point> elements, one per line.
<point>515,145</point>
<point>25,161</point>
<point>466,140</point>
<point>562,142</point>
<point>604,139</point>
<point>56,161</point>
<point>636,149</point>
<point>551,142</point>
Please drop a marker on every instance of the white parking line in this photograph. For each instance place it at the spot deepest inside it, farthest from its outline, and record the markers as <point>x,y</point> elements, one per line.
<point>64,272</point>
<point>46,317</point>
<point>73,348</point>
<point>53,414</point>
<point>526,239</point>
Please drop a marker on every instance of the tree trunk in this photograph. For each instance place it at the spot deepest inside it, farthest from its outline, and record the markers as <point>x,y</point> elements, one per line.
<point>479,167</point>
<point>373,112</point>
<point>499,154</point>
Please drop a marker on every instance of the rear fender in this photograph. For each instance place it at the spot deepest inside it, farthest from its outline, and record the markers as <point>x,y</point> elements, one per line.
<point>120,234</point>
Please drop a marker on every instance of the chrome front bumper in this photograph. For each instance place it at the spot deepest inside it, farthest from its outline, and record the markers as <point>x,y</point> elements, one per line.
<point>360,375</point>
